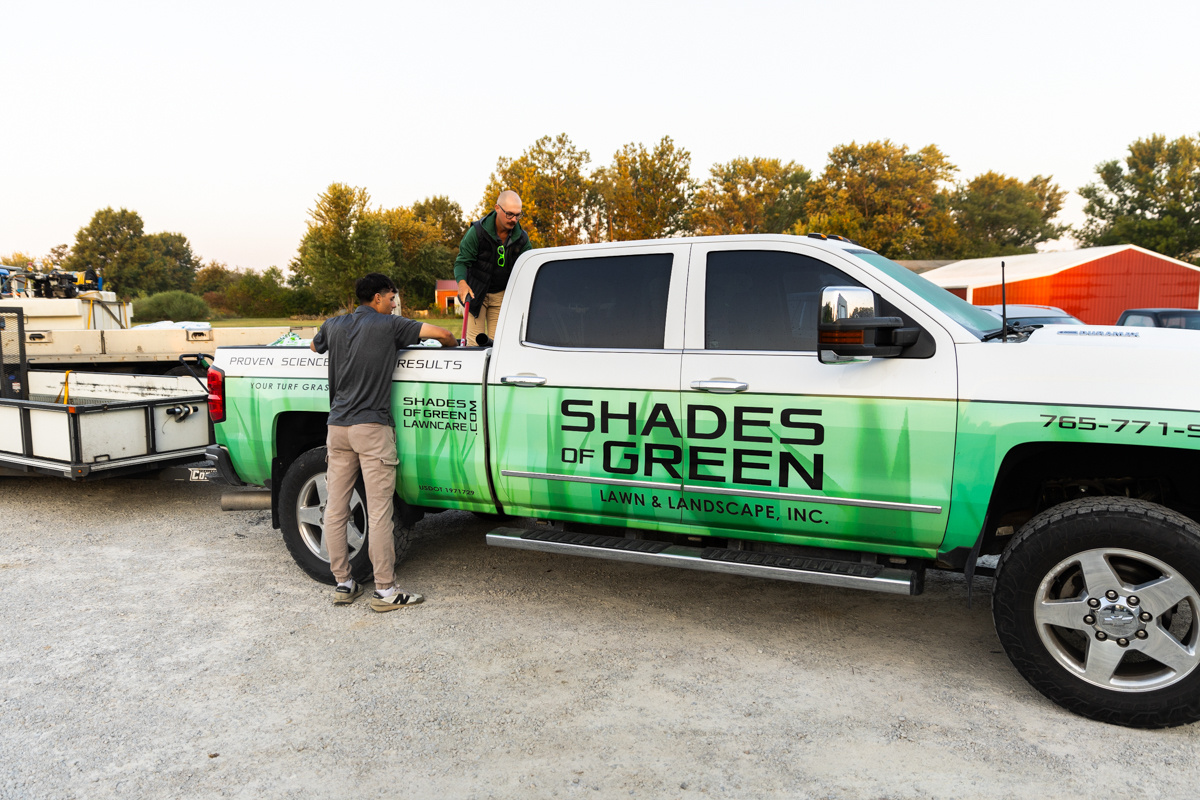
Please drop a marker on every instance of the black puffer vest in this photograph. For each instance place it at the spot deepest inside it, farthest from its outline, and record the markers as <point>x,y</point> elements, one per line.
<point>485,272</point>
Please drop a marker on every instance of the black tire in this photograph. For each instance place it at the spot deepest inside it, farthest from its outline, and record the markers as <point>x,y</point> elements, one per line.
<point>1096,605</point>
<point>301,517</point>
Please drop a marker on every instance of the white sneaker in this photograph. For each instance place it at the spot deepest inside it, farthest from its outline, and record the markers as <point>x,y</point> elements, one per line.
<point>398,600</point>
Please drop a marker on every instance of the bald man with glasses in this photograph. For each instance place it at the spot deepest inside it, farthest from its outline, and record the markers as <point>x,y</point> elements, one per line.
<point>485,259</point>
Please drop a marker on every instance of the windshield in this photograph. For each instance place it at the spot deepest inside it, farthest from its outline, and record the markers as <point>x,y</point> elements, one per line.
<point>973,318</point>
<point>1181,320</point>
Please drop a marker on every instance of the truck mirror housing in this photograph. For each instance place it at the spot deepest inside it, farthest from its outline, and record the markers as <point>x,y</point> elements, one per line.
<point>848,330</point>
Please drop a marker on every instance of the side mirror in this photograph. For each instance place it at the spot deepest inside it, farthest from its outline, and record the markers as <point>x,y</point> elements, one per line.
<point>848,330</point>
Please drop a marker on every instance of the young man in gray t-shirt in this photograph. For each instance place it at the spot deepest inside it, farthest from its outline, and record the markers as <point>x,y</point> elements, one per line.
<point>362,357</point>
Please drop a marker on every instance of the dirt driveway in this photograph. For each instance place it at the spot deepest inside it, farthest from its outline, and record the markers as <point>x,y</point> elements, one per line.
<point>153,646</point>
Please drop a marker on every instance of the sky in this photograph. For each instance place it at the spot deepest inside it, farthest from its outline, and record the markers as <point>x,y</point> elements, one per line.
<point>224,121</point>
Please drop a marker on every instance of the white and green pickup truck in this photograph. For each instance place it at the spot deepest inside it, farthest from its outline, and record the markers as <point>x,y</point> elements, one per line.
<point>797,408</point>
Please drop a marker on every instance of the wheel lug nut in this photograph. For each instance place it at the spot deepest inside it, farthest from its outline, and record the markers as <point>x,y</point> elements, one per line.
<point>1123,642</point>
<point>1132,600</point>
<point>1145,616</point>
<point>1094,602</point>
<point>1111,594</point>
<point>1101,635</point>
<point>1089,619</point>
<point>1141,634</point>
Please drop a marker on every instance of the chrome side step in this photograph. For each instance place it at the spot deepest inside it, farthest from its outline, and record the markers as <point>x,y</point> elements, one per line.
<point>801,569</point>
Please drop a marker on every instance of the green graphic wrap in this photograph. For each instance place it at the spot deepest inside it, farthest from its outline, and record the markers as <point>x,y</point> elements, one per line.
<point>902,476</point>
<point>253,406</point>
<point>875,473</point>
<point>987,432</point>
<point>439,432</point>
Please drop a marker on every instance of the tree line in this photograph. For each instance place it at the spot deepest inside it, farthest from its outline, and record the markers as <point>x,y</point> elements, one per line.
<point>902,203</point>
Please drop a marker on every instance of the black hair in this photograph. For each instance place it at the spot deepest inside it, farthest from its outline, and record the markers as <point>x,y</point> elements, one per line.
<point>371,284</point>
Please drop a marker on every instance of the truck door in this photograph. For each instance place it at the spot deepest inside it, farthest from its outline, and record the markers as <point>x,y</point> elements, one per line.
<point>785,448</point>
<point>583,389</point>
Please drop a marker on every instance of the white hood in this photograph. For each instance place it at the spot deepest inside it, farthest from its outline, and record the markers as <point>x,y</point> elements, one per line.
<point>1087,365</point>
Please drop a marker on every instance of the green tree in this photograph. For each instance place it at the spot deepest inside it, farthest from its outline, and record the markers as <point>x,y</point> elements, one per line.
<point>549,178</point>
<point>1153,201</point>
<point>57,257</point>
<point>643,194</point>
<point>214,276</point>
<point>258,294</point>
<point>886,198</point>
<point>443,213</point>
<point>1000,216</point>
<point>18,259</point>
<point>113,244</point>
<point>171,265</point>
<point>343,242</point>
<point>212,281</point>
<point>419,252</point>
<point>751,195</point>
<point>432,262</point>
<point>132,263</point>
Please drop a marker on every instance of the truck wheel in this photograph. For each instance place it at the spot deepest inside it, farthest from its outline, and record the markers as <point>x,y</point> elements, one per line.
<point>302,498</point>
<point>1096,606</point>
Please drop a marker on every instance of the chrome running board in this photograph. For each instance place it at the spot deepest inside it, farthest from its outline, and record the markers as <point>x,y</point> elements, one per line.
<point>801,569</point>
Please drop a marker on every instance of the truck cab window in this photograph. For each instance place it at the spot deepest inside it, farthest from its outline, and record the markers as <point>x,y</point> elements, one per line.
<point>615,302</point>
<point>765,299</point>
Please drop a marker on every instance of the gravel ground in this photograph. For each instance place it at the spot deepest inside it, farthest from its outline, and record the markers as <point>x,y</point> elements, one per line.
<point>154,646</point>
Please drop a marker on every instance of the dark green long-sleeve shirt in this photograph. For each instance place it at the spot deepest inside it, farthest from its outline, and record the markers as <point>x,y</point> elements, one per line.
<point>468,248</point>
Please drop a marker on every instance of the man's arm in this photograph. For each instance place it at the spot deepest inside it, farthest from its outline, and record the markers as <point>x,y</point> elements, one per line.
<point>468,251</point>
<point>441,334</point>
<point>318,344</point>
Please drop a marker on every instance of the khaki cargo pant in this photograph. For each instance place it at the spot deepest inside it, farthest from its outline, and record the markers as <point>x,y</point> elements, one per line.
<point>489,314</point>
<point>370,448</point>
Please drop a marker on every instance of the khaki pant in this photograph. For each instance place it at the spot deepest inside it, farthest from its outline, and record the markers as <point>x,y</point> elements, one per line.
<point>489,313</point>
<point>372,449</point>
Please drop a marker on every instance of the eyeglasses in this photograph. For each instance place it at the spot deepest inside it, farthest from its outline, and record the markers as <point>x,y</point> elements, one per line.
<point>500,254</point>
<point>509,214</point>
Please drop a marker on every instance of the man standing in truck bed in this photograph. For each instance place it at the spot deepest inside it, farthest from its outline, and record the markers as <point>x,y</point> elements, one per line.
<point>486,256</point>
<point>362,357</point>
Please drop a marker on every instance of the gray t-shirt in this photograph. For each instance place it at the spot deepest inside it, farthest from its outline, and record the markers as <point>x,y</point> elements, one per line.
<point>362,357</point>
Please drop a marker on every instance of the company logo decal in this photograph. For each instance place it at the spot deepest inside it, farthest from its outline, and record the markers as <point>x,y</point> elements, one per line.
<point>1087,332</point>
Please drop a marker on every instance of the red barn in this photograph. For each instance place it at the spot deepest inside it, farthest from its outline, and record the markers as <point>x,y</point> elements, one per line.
<point>446,298</point>
<point>1095,284</point>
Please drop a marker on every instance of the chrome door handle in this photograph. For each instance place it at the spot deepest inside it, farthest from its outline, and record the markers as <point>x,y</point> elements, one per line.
<point>720,387</point>
<point>523,380</point>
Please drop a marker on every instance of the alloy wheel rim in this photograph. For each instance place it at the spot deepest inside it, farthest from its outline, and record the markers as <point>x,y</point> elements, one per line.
<point>310,516</point>
<point>1119,619</point>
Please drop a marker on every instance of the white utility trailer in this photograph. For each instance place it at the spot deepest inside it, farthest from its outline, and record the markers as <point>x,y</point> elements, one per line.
<point>86,425</point>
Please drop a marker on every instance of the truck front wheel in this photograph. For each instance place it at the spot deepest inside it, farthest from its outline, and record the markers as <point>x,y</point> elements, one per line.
<point>302,497</point>
<point>1096,605</point>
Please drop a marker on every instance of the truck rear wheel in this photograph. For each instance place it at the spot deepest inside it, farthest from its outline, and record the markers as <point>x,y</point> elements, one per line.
<point>1096,604</point>
<point>302,497</point>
